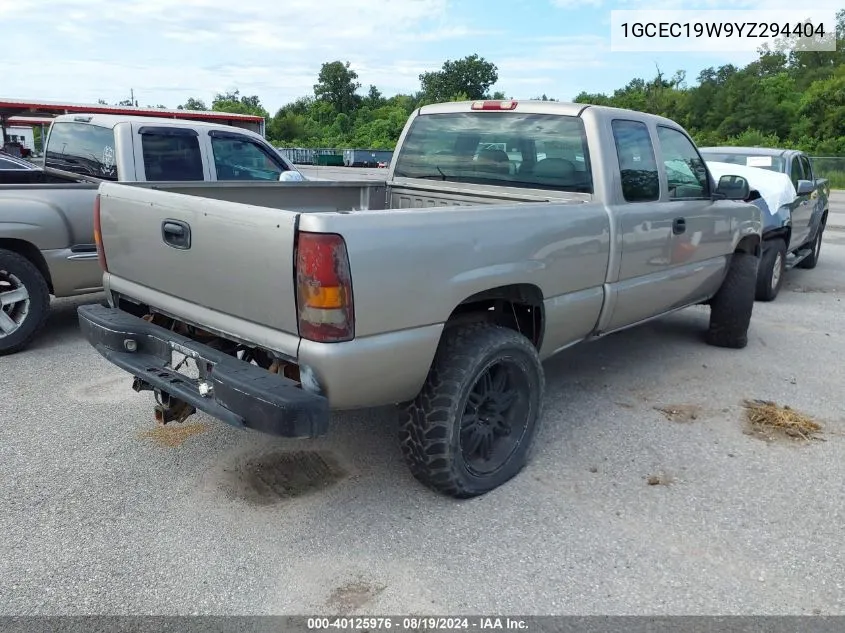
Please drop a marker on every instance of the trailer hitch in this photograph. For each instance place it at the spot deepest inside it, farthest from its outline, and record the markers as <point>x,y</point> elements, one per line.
<point>169,409</point>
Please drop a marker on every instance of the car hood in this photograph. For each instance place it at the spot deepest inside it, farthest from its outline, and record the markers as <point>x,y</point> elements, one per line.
<point>775,188</point>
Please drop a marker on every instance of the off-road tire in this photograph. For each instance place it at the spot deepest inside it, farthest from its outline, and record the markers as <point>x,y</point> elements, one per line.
<point>430,425</point>
<point>812,259</point>
<point>732,305</point>
<point>39,301</point>
<point>774,255</point>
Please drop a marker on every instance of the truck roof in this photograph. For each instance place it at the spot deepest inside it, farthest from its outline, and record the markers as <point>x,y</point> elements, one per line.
<point>536,106</point>
<point>758,151</point>
<point>110,120</point>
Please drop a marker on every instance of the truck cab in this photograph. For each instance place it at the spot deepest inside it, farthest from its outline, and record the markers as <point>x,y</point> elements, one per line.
<point>120,148</point>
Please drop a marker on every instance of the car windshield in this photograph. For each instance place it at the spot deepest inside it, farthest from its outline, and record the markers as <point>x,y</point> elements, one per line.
<point>763,161</point>
<point>538,151</point>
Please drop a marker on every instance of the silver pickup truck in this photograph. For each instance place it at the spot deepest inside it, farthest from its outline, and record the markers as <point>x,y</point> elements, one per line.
<point>505,233</point>
<point>47,215</point>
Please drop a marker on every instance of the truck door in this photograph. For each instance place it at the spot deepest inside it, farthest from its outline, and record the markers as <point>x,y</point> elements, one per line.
<point>168,153</point>
<point>805,207</point>
<point>673,235</point>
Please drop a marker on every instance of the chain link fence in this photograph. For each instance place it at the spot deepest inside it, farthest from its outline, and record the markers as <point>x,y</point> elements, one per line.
<point>830,167</point>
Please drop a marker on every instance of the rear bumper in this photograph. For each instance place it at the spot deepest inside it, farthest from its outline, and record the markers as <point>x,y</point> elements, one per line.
<point>241,394</point>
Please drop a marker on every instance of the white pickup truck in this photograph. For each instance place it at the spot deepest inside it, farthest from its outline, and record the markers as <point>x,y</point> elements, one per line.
<point>46,215</point>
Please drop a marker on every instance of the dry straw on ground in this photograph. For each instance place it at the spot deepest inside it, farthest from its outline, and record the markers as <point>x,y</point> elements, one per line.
<point>768,418</point>
<point>172,435</point>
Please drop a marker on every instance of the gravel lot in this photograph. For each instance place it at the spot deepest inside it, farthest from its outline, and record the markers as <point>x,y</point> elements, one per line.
<point>102,517</point>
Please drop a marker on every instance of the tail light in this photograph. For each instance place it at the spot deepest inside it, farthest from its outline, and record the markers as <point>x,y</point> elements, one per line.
<point>494,105</point>
<point>324,288</point>
<point>98,235</point>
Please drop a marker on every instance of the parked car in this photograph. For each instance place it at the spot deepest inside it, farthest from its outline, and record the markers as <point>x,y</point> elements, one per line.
<point>442,288</point>
<point>793,232</point>
<point>46,214</point>
<point>10,163</point>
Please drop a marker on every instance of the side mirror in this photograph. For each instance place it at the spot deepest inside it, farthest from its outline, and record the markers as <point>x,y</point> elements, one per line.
<point>805,187</point>
<point>290,176</point>
<point>733,188</point>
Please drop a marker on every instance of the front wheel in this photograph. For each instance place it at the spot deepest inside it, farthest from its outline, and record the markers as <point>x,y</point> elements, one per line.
<point>771,271</point>
<point>812,259</point>
<point>471,427</point>
<point>732,305</point>
<point>24,302</point>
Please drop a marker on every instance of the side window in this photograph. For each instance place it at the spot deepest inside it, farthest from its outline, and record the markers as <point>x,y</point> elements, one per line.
<point>796,172</point>
<point>808,169</point>
<point>686,173</point>
<point>171,154</point>
<point>240,158</point>
<point>7,164</point>
<point>637,165</point>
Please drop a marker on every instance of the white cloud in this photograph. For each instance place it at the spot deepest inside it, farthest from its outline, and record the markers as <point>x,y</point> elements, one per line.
<point>168,50</point>
<point>756,5</point>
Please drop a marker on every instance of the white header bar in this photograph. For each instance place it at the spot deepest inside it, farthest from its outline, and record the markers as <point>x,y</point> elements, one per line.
<point>721,30</point>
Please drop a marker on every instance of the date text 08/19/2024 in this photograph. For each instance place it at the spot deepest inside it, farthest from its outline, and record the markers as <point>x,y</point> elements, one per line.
<point>758,30</point>
<point>413,623</point>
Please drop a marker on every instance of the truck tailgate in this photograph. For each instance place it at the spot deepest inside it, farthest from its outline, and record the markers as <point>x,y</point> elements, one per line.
<point>224,249</point>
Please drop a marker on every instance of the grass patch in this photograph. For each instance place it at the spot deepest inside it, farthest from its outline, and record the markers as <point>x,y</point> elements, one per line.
<point>769,419</point>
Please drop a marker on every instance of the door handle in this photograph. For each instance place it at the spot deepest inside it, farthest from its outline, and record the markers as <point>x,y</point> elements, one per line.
<point>679,225</point>
<point>176,233</point>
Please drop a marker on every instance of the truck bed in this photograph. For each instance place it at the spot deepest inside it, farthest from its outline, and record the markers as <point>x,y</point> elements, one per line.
<point>240,231</point>
<point>352,195</point>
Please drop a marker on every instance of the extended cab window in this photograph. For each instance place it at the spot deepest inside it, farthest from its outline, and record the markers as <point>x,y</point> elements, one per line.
<point>512,149</point>
<point>240,158</point>
<point>637,165</point>
<point>82,148</point>
<point>171,153</point>
<point>685,170</point>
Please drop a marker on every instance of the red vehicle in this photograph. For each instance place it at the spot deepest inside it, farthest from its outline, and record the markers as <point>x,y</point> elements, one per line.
<point>17,149</point>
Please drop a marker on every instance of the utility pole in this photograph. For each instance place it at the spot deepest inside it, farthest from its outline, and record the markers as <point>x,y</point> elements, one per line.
<point>132,96</point>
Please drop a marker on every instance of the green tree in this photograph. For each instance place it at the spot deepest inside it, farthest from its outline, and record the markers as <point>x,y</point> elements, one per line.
<point>471,76</point>
<point>193,104</point>
<point>337,84</point>
<point>235,103</point>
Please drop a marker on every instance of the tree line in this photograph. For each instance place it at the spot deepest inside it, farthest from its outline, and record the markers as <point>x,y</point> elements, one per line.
<point>787,96</point>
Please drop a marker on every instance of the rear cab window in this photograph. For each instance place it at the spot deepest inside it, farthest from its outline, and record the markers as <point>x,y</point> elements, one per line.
<point>511,149</point>
<point>238,157</point>
<point>171,153</point>
<point>82,148</point>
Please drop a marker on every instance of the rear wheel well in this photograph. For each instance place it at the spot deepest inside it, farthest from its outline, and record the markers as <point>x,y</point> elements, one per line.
<point>518,307</point>
<point>749,244</point>
<point>31,252</point>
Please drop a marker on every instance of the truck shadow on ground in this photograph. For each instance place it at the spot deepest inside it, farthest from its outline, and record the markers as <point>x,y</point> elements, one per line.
<point>578,380</point>
<point>62,322</point>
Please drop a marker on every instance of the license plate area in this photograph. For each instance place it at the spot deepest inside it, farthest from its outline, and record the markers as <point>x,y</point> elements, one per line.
<point>185,365</point>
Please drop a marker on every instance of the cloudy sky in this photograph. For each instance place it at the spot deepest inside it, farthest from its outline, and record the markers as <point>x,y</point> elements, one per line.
<point>169,50</point>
